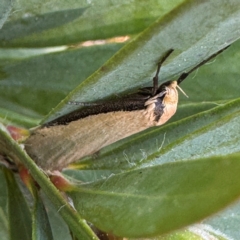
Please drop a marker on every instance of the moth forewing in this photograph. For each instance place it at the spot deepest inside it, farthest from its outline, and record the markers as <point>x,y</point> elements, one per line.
<point>55,147</point>
<point>68,143</point>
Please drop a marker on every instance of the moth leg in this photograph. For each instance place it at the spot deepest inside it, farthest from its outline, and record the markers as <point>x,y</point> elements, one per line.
<point>184,75</point>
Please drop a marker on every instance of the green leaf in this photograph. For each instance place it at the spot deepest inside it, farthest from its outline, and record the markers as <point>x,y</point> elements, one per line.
<point>205,231</point>
<point>40,224</point>
<point>222,76</point>
<point>10,148</point>
<point>226,221</point>
<point>4,231</point>
<point>18,210</point>
<point>177,235</point>
<point>158,199</point>
<point>5,8</point>
<point>99,79</point>
<point>194,37</point>
<point>4,227</point>
<point>60,229</point>
<point>31,87</point>
<point>194,232</point>
<point>131,67</point>
<point>46,23</point>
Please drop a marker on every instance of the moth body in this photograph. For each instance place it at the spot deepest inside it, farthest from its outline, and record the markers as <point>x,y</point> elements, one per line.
<point>71,142</point>
<point>84,132</point>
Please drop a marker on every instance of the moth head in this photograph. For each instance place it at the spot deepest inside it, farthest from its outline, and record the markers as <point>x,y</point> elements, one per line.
<point>170,89</point>
<point>167,93</point>
<point>171,93</point>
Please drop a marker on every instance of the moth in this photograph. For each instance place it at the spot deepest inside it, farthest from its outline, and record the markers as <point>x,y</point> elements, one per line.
<point>84,132</point>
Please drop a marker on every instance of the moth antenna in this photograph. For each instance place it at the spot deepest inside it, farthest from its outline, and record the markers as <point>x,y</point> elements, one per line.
<point>182,91</point>
<point>155,78</point>
<point>184,75</point>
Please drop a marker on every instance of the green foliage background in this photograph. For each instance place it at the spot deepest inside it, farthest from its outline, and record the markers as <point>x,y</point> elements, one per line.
<point>168,177</point>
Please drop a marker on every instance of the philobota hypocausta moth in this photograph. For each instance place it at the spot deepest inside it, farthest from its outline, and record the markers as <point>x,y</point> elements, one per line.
<point>85,131</point>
